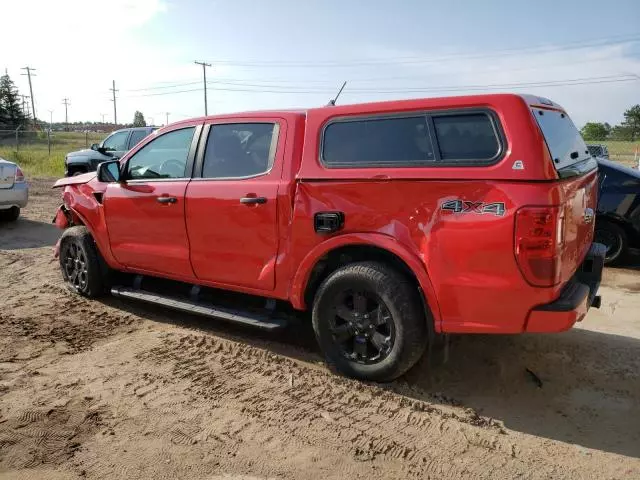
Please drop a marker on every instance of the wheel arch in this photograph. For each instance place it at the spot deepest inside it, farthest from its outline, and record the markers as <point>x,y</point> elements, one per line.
<point>98,233</point>
<point>337,251</point>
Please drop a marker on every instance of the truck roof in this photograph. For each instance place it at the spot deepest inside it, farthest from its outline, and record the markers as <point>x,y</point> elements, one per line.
<point>384,106</point>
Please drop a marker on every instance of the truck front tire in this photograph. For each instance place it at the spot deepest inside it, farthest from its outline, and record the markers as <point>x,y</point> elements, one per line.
<point>80,262</point>
<point>369,321</point>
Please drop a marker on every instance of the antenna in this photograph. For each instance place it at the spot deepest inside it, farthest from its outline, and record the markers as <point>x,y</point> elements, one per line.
<point>333,101</point>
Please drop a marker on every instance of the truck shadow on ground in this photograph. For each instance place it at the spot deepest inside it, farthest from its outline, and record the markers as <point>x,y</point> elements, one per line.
<point>580,387</point>
<point>25,233</point>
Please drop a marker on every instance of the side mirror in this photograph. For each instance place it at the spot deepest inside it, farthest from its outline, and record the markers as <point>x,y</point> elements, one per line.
<point>109,172</point>
<point>94,146</point>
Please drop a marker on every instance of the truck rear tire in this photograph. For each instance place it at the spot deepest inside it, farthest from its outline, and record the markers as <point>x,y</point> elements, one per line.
<point>369,321</point>
<point>80,262</point>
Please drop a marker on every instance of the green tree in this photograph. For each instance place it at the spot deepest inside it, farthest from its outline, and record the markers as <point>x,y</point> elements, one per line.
<point>621,132</point>
<point>138,119</point>
<point>632,122</point>
<point>11,115</point>
<point>595,131</point>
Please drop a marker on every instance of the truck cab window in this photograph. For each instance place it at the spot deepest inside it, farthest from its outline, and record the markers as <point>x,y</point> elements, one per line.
<point>164,157</point>
<point>116,142</point>
<point>240,150</point>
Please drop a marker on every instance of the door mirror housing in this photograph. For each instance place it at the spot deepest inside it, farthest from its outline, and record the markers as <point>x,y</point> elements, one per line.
<point>109,172</point>
<point>94,147</point>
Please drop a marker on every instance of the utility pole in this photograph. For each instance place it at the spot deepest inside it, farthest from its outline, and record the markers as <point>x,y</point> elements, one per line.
<point>50,119</point>
<point>115,114</point>
<point>204,76</point>
<point>65,102</point>
<point>103,115</point>
<point>24,108</point>
<point>33,101</point>
<point>167,114</point>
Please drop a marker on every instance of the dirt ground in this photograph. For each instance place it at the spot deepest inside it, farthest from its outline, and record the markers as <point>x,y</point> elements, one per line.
<point>110,389</point>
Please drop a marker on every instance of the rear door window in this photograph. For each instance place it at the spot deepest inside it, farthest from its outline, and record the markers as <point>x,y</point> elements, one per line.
<point>466,137</point>
<point>240,150</point>
<point>378,142</point>
<point>563,138</point>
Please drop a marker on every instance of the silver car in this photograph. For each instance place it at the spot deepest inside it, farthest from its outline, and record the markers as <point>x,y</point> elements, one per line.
<point>14,191</point>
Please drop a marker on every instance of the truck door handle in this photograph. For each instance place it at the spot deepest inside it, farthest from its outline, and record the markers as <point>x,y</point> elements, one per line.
<point>253,200</point>
<point>166,200</point>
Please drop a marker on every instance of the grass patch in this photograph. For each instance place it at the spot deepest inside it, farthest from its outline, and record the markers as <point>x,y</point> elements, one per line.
<point>36,162</point>
<point>622,152</point>
<point>33,155</point>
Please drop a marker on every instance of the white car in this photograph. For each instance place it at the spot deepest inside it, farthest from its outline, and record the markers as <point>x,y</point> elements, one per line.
<point>14,191</point>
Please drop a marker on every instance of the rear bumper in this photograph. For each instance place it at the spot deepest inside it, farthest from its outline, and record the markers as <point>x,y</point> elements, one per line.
<point>576,298</point>
<point>16,196</point>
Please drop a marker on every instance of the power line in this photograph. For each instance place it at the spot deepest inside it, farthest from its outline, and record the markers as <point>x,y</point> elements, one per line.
<point>204,76</point>
<point>33,101</point>
<point>576,45</point>
<point>454,88</point>
<point>115,113</point>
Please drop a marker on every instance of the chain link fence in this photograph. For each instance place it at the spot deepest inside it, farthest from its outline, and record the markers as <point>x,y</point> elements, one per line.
<point>21,140</point>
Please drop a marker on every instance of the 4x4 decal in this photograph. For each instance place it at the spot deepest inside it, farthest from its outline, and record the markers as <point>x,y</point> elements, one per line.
<point>465,206</point>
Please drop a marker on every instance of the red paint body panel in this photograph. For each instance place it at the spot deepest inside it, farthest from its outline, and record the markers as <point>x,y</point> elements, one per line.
<point>145,234</point>
<point>554,322</point>
<point>465,264</point>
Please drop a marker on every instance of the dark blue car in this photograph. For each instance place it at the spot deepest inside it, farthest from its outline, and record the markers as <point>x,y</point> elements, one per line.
<point>618,215</point>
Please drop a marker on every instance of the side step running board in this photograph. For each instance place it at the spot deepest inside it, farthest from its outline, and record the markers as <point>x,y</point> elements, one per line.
<point>263,321</point>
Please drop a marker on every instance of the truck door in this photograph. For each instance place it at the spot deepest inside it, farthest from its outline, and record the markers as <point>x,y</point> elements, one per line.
<point>232,209</point>
<point>145,213</point>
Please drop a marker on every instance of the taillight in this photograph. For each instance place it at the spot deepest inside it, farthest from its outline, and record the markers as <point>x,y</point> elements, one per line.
<point>539,239</point>
<point>19,175</point>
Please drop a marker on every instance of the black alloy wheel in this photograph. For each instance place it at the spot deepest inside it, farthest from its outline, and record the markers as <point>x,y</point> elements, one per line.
<point>75,266</point>
<point>362,327</point>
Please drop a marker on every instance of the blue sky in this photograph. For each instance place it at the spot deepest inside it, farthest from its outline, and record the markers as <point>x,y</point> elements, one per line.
<point>286,53</point>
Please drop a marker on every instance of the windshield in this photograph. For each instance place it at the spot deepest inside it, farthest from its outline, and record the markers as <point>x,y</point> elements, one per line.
<point>563,138</point>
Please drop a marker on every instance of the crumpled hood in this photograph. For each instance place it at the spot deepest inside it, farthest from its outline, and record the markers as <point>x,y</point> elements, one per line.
<point>77,180</point>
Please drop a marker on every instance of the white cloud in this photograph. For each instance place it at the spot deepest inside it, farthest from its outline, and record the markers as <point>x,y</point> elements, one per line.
<point>79,46</point>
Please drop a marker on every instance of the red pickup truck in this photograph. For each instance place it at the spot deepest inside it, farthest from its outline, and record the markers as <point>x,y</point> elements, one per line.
<point>390,222</point>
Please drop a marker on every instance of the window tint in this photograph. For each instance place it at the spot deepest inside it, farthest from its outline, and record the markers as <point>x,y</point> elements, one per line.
<point>466,137</point>
<point>239,150</point>
<point>136,136</point>
<point>563,138</point>
<point>163,157</point>
<point>375,142</point>
<point>116,142</point>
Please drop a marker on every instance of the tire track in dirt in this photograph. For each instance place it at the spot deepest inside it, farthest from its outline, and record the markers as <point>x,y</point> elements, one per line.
<point>51,314</point>
<point>36,437</point>
<point>318,408</point>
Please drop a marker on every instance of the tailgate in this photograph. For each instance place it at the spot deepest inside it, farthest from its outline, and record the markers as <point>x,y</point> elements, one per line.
<point>580,194</point>
<point>578,180</point>
<point>7,174</point>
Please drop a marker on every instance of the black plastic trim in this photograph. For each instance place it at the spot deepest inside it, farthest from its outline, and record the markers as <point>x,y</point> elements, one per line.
<point>584,284</point>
